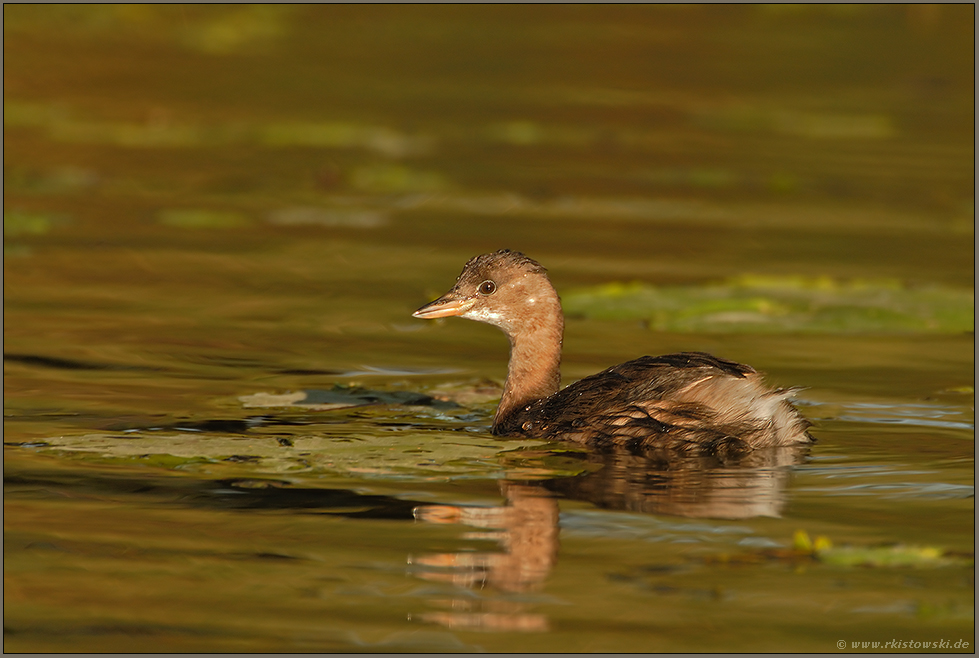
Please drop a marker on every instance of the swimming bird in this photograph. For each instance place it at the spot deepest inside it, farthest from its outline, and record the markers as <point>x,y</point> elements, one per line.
<point>687,402</point>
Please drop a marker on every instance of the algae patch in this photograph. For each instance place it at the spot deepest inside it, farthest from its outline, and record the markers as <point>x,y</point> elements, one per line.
<point>765,304</point>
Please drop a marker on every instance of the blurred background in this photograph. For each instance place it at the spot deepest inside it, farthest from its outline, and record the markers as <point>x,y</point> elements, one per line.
<point>208,202</point>
<point>200,165</point>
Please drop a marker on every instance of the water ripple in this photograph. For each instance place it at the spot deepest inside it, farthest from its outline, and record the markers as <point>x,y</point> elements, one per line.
<point>916,414</point>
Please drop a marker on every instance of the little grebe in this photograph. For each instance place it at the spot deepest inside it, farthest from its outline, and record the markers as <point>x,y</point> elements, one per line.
<point>686,402</point>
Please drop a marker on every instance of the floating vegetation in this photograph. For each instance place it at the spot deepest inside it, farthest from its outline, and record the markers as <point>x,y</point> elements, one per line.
<point>336,134</point>
<point>202,219</point>
<point>821,550</point>
<point>60,180</point>
<point>340,397</point>
<point>889,555</point>
<point>244,29</point>
<point>384,178</point>
<point>802,542</point>
<point>521,133</point>
<point>798,124</point>
<point>333,217</point>
<point>898,555</point>
<point>621,208</point>
<point>752,303</point>
<point>18,223</point>
<point>162,130</point>
<point>404,453</point>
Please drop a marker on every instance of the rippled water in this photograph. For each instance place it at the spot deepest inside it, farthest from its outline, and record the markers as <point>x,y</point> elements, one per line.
<point>223,431</point>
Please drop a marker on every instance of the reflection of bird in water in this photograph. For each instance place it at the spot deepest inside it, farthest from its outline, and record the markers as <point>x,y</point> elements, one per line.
<point>526,529</point>
<point>527,526</point>
<point>683,403</point>
<point>693,486</point>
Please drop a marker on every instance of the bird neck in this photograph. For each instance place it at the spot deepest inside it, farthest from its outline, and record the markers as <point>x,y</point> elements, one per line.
<point>534,371</point>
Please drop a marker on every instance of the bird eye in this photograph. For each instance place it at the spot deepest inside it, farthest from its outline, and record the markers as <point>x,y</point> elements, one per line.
<point>487,288</point>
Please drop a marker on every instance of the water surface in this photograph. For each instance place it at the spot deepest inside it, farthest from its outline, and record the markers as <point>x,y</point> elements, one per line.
<point>223,431</point>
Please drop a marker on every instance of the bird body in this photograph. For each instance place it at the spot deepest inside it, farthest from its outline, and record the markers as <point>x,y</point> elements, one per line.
<point>685,402</point>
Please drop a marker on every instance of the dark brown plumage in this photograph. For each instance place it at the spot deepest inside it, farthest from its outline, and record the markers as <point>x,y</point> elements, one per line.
<point>686,402</point>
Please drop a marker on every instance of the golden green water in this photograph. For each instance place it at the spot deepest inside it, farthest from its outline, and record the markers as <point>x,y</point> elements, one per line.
<point>223,431</point>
